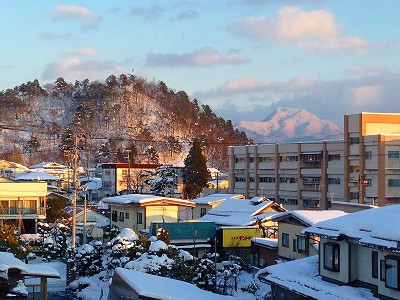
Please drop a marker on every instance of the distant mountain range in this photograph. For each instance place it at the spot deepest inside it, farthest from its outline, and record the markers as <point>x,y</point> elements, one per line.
<point>289,125</point>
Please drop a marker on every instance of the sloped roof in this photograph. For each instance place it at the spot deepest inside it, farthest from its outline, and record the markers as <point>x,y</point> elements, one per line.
<point>36,176</point>
<point>375,226</point>
<point>238,212</point>
<point>302,277</point>
<point>94,184</point>
<point>309,217</point>
<point>157,287</point>
<point>48,165</point>
<point>142,199</point>
<point>216,197</point>
<point>7,261</point>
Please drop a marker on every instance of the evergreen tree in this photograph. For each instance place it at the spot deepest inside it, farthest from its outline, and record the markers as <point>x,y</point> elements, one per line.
<point>195,174</point>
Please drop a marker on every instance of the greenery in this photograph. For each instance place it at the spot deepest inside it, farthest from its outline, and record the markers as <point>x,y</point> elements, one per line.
<point>195,173</point>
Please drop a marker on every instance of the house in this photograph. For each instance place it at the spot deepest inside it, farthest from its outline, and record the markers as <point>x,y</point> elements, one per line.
<point>206,203</point>
<point>193,236</point>
<point>91,188</point>
<point>293,244</point>
<point>23,203</point>
<point>264,250</point>
<point>137,211</point>
<point>13,273</point>
<point>117,177</point>
<point>131,284</point>
<point>299,279</point>
<point>53,182</point>
<point>361,167</point>
<point>239,220</point>
<point>65,173</point>
<point>10,169</point>
<point>362,248</point>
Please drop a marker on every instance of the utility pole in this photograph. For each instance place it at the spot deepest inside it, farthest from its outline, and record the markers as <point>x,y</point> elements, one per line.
<point>128,151</point>
<point>75,190</point>
<point>84,219</point>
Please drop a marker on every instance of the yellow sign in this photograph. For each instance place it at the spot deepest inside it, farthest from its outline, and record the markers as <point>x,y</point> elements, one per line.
<point>239,237</point>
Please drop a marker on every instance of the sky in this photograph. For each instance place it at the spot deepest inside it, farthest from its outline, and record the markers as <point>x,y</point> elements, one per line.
<point>244,58</point>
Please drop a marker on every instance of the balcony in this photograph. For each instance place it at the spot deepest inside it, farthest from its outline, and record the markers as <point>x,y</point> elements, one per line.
<point>8,211</point>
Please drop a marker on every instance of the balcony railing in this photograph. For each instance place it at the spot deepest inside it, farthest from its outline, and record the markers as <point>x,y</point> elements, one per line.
<point>22,211</point>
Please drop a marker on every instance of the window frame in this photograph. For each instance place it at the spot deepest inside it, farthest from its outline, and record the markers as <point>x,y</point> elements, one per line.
<point>203,211</point>
<point>335,249</point>
<point>285,241</point>
<point>127,216</point>
<point>300,238</point>
<point>397,259</point>
<point>139,218</point>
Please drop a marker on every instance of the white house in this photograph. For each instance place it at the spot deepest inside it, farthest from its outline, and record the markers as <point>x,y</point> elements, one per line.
<point>206,203</point>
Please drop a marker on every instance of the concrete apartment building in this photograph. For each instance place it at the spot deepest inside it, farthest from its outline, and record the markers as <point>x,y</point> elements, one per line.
<point>362,167</point>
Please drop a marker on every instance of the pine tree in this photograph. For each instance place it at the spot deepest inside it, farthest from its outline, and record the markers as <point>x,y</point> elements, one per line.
<point>195,174</point>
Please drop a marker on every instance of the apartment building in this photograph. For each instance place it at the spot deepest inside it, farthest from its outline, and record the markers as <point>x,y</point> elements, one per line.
<point>362,167</point>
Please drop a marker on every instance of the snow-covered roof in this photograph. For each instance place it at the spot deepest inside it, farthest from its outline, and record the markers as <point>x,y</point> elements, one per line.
<point>36,176</point>
<point>375,226</point>
<point>157,287</point>
<point>7,261</point>
<point>48,165</point>
<point>272,243</point>
<point>238,212</point>
<point>216,197</point>
<point>93,185</point>
<point>309,217</point>
<point>301,275</point>
<point>141,199</point>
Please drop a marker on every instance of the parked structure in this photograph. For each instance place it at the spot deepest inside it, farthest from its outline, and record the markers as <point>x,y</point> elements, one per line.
<point>363,167</point>
<point>137,211</point>
<point>23,203</point>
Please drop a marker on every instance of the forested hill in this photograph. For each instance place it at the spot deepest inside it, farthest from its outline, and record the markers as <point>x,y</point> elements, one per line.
<point>153,121</point>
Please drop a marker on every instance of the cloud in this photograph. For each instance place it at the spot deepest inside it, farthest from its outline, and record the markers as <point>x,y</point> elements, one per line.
<point>6,67</point>
<point>204,57</point>
<point>152,12</point>
<point>50,36</point>
<point>187,15</point>
<point>254,99</point>
<point>74,68</point>
<point>83,52</point>
<point>76,13</point>
<point>361,70</point>
<point>315,29</point>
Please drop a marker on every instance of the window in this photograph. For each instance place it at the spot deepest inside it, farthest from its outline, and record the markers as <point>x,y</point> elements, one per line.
<point>301,243</point>
<point>354,140</point>
<point>368,154</point>
<point>114,215</point>
<point>333,180</point>
<point>353,195</point>
<point>310,203</point>
<point>285,240</point>
<point>139,218</point>
<point>294,245</point>
<point>266,179</point>
<point>382,269</point>
<point>393,154</point>
<point>287,180</point>
<point>4,207</point>
<point>251,159</point>
<point>286,201</point>
<point>333,157</point>
<point>311,180</point>
<point>106,172</point>
<point>240,179</point>
<point>251,179</point>
<point>288,158</point>
<point>240,159</point>
<point>124,172</point>
<point>393,182</point>
<point>392,272</point>
<point>331,257</point>
<point>266,159</point>
<point>127,216</point>
<point>121,216</point>
<point>202,211</point>
<point>374,262</point>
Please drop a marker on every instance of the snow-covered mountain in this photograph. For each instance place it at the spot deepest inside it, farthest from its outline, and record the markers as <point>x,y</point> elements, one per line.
<point>289,125</point>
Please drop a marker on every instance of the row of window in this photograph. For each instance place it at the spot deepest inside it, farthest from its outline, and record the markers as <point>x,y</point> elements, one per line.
<point>299,244</point>
<point>288,158</point>
<point>388,267</point>
<point>288,201</point>
<point>122,216</point>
